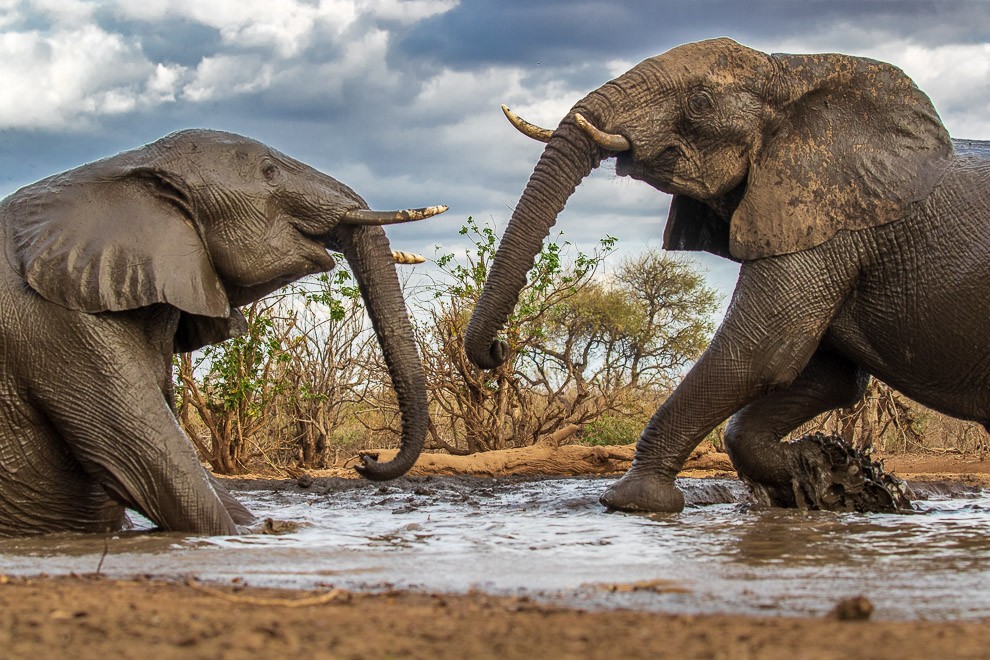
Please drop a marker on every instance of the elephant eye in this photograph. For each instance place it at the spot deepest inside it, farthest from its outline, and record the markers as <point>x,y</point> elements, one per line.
<point>269,171</point>
<point>701,102</point>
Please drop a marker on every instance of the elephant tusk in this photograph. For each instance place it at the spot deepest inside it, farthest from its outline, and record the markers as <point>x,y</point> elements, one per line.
<point>407,258</point>
<point>366,217</point>
<point>610,141</point>
<point>524,127</point>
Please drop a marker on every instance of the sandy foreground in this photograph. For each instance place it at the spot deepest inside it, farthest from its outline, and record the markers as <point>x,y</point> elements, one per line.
<point>93,617</point>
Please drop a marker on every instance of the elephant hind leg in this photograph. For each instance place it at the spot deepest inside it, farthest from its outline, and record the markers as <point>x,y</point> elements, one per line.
<point>753,434</point>
<point>815,471</point>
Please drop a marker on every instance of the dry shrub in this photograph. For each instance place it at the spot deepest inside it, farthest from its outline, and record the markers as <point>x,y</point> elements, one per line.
<point>580,346</point>
<point>307,387</point>
<point>887,421</point>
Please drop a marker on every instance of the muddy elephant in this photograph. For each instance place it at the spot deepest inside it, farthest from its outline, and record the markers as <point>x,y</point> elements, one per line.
<point>862,230</point>
<point>114,266</point>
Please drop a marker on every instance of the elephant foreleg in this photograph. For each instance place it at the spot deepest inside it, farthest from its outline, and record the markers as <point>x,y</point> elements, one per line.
<point>752,436</point>
<point>238,512</point>
<point>148,464</point>
<point>119,426</point>
<point>779,312</point>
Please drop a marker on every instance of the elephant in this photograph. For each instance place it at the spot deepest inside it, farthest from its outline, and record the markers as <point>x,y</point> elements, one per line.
<point>114,266</point>
<point>863,237</point>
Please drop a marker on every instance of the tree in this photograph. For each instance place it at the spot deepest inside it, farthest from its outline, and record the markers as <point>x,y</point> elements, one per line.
<point>577,346</point>
<point>280,390</point>
<point>882,419</point>
<point>618,346</point>
<point>328,356</point>
<point>234,396</point>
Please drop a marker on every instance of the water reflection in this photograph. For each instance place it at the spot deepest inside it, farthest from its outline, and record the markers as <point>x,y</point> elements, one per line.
<point>552,539</point>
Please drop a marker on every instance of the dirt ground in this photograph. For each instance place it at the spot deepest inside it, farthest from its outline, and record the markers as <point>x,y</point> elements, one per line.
<point>704,462</point>
<point>91,617</point>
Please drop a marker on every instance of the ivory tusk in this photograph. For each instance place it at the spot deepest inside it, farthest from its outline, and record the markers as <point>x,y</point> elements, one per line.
<point>610,141</point>
<point>524,127</point>
<point>407,258</point>
<point>366,217</point>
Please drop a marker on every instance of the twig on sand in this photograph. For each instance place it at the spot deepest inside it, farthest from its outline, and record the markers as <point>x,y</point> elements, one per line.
<point>332,596</point>
<point>106,551</point>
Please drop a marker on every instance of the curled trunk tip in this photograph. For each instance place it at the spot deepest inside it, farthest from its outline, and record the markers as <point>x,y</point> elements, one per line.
<point>372,470</point>
<point>372,262</point>
<point>567,159</point>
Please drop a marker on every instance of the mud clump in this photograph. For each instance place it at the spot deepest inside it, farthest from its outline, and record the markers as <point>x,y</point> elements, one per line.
<point>829,475</point>
<point>857,608</point>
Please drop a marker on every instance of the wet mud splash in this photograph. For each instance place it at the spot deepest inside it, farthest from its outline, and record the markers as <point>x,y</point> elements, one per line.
<point>830,475</point>
<point>551,540</point>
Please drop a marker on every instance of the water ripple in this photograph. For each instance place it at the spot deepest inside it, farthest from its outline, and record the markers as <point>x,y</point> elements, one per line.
<point>551,539</point>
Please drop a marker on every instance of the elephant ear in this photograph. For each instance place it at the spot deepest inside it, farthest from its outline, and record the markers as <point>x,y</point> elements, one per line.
<point>106,237</point>
<point>194,332</point>
<point>856,144</point>
<point>693,225</point>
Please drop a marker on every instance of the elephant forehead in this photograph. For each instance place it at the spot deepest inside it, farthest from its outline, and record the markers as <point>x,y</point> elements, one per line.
<point>714,61</point>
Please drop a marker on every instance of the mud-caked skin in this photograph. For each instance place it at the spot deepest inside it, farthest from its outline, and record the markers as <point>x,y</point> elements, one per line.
<point>114,266</point>
<point>827,474</point>
<point>862,230</point>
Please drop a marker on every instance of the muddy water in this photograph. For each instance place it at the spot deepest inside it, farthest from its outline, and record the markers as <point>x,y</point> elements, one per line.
<point>551,540</point>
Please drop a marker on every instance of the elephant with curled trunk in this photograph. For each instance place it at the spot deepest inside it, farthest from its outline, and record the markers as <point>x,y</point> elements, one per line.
<point>114,266</point>
<point>862,230</point>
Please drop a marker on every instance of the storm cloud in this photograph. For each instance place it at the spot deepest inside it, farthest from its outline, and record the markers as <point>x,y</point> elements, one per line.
<point>400,98</point>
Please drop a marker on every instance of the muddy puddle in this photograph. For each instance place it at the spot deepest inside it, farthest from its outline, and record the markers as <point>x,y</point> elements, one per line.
<point>551,540</point>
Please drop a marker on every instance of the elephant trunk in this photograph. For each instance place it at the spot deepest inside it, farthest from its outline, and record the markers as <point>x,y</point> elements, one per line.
<point>368,253</point>
<point>568,157</point>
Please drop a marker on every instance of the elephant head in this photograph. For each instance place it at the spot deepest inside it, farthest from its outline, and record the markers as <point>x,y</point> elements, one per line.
<point>764,154</point>
<point>206,221</point>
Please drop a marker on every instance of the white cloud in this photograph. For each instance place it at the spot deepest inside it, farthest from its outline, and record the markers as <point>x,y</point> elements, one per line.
<point>354,76</point>
<point>64,12</point>
<point>287,27</point>
<point>71,75</point>
<point>468,92</point>
<point>543,104</point>
<point>74,70</point>
<point>406,11</point>
<point>164,82</point>
<point>955,76</point>
<point>8,12</point>
<point>228,75</point>
<point>364,59</point>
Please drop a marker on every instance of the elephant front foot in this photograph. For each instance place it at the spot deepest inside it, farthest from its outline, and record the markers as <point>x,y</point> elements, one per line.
<point>644,493</point>
<point>829,475</point>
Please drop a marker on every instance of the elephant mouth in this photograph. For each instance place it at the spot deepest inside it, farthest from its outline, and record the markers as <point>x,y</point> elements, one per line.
<point>659,171</point>
<point>671,171</point>
<point>319,251</point>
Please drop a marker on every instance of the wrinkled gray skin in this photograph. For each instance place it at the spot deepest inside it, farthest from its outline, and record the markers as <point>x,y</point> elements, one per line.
<point>114,266</point>
<point>863,236</point>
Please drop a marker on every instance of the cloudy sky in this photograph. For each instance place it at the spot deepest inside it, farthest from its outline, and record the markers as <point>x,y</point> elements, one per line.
<point>400,98</point>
